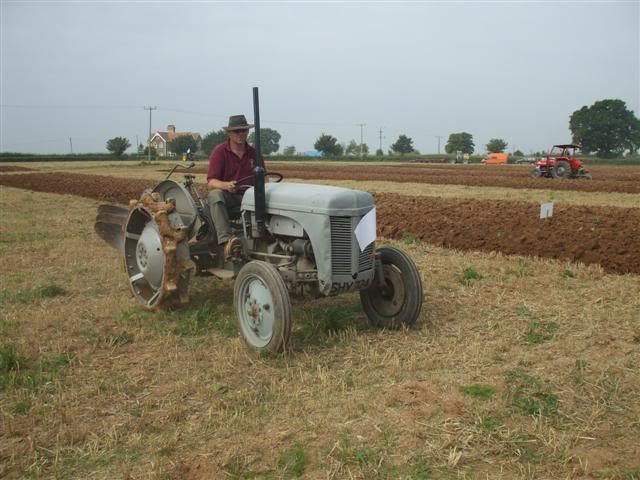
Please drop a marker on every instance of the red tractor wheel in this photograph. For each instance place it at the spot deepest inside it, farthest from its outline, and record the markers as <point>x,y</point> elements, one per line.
<point>561,170</point>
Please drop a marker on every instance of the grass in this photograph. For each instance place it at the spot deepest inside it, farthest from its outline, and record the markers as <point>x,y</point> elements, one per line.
<point>32,294</point>
<point>103,389</point>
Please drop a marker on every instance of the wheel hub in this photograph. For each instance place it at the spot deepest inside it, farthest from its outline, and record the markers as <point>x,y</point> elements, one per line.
<point>257,313</point>
<point>391,297</point>
<point>149,255</point>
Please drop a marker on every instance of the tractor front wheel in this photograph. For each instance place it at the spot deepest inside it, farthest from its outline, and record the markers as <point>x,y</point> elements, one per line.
<point>263,307</point>
<point>397,299</point>
<point>536,173</point>
<point>561,170</point>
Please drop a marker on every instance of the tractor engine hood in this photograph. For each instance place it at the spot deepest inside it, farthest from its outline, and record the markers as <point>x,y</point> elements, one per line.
<point>308,198</point>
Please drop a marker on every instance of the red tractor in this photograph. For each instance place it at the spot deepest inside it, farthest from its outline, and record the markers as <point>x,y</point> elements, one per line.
<point>561,162</point>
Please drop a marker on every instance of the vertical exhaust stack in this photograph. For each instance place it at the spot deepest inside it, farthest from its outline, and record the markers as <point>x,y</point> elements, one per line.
<point>259,197</point>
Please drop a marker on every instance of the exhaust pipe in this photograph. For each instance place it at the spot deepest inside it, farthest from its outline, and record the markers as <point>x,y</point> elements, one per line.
<point>258,190</point>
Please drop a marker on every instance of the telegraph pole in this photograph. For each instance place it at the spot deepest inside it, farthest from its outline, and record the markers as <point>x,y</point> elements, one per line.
<point>362,125</point>
<point>71,145</point>
<point>149,139</point>
<point>438,137</point>
<point>380,133</point>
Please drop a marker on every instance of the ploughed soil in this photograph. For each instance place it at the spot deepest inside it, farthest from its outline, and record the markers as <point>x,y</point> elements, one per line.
<point>621,179</point>
<point>609,236</point>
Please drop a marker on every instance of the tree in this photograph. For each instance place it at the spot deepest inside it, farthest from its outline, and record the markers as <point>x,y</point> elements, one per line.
<point>496,145</point>
<point>212,139</point>
<point>269,140</point>
<point>607,127</point>
<point>354,149</point>
<point>379,153</point>
<point>462,142</point>
<point>117,145</point>
<point>518,153</point>
<point>290,150</point>
<point>403,145</point>
<point>328,145</point>
<point>181,144</point>
<point>154,152</point>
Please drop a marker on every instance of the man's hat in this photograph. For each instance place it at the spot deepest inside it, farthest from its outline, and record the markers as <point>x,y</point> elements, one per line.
<point>237,122</point>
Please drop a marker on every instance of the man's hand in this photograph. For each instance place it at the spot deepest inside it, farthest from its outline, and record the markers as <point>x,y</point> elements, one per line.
<point>231,187</point>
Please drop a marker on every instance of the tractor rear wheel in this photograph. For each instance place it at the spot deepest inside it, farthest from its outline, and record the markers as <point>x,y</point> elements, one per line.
<point>561,170</point>
<point>398,300</point>
<point>263,308</point>
<point>158,264</point>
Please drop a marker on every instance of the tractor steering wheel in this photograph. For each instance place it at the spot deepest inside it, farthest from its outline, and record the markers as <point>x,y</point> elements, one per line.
<point>278,178</point>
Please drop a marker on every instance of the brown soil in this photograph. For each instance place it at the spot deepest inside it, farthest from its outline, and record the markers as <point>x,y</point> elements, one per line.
<point>605,178</point>
<point>11,168</point>
<point>609,236</point>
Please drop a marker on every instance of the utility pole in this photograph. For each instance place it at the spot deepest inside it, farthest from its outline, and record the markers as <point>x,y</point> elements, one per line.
<point>362,125</point>
<point>381,137</point>
<point>71,145</point>
<point>149,139</point>
<point>137,144</point>
<point>438,137</point>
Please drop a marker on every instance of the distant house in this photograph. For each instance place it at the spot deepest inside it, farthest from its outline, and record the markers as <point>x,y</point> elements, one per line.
<point>159,140</point>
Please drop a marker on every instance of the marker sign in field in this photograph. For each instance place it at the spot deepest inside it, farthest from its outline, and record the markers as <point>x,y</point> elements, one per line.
<point>366,229</point>
<point>546,210</point>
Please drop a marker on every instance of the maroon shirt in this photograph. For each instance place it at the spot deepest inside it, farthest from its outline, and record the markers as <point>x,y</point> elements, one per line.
<point>225,165</point>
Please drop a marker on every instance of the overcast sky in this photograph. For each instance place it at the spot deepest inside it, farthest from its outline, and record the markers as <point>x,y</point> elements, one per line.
<point>510,70</point>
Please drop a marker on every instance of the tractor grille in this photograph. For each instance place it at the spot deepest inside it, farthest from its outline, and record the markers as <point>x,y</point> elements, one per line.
<point>345,248</point>
<point>341,245</point>
<point>365,262</point>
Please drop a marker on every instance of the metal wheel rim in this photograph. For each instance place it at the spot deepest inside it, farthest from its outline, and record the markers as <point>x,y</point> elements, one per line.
<point>562,170</point>
<point>256,311</point>
<point>149,255</point>
<point>391,304</point>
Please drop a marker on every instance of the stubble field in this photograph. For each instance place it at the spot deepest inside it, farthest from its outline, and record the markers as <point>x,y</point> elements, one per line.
<point>523,364</point>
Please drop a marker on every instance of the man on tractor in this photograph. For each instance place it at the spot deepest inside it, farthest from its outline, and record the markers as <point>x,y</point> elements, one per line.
<point>230,173</point>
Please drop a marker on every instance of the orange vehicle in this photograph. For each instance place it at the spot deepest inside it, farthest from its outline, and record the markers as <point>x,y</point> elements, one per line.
<point>495,158</point>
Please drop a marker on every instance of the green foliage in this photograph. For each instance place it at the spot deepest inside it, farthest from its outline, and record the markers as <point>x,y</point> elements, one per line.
<point>22,407</point>
<point>518,153</point>
<point>379,152</point>
<point>496,145</point>
<point>9,358</point>
<point>540,332</point>
<point>154,152</point>
<point>198,321</point>
<point>182,144</point>
<point>117,339</point>
<point>269,140</point>
<point>328,145</point>
<point>606,127</point>
<point>469,275</point>
<point>483,392</point>
<point>529,395</point>
<point>32,295</point>
<point>403,145</point>
<point>489,424</point>
<point>118,145</point>
<point>290,150</point>
<point>568,273</point>
<point>212,139</point>
<point>293,461</point>
<point>460,142</point>
<point>354,149</point>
